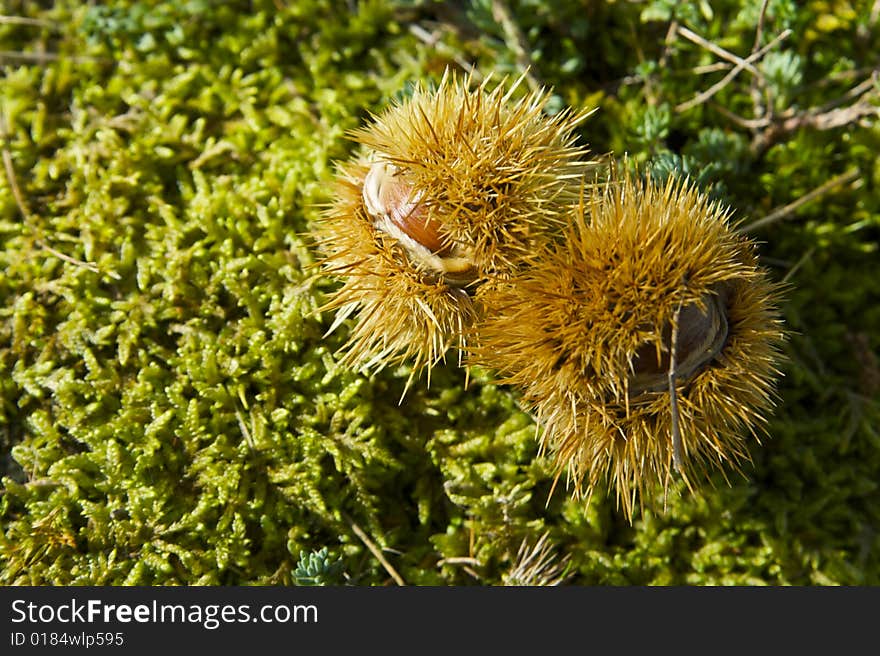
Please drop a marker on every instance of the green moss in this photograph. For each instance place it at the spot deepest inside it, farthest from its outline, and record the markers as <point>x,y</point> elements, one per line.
<point>171,409</point>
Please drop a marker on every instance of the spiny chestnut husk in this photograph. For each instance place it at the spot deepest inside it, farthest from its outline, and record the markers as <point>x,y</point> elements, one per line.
<point>405,310</point>
<point>586,334</point>
<point>451,186</point>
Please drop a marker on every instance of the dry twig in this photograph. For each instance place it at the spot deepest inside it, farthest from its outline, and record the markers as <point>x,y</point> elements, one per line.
<point>786,210</point>
<point>32,22</point>
<point>516,42</point>
<point>703,96</point>
<point>25,211</point>
<point>767,127</point>
<point>432,39</point>
<point>376,552</point>
<point>41,57</point>
<point>718,50</point>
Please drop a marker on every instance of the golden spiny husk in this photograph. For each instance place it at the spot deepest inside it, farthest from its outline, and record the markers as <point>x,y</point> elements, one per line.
<point>496,175</point>
<point>567,332</point>
<point>403,313</point>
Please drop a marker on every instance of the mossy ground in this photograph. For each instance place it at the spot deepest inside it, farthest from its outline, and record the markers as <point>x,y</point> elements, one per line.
<point>171,411</point>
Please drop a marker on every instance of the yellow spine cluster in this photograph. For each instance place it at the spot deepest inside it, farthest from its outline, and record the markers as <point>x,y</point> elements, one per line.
<point>634,320</point>
<point>453,187</point>
<point>587,335</point>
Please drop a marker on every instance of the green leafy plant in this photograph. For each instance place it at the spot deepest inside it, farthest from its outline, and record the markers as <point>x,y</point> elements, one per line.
<point>318,568</point>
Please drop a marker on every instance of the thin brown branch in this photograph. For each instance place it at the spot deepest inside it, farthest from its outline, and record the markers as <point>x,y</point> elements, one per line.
<point>747,123</point>
<point>91,266</point>
<point>516,42</point>
<point>759,29</point>
<point>377,553</point>
<point>710,68</point>
<point>839,117</point>
<point>787,210</point>
<point>857,91</point>
<point>9,166</point>
<point>762,104</point>
<point>840,76</point>
<point>244,429</point>
<point>825,121</point>
<point>768,130</point>
<point>767,127</point>
<point>12,180</point>
<point>33,22</point>
<point>758,80</point>
<point>432,40</point>
<point>668,41</point>
<point>459,560</point>
<point>797,265</point>
<point>40,57</point>
<point>715,49</point>
<point>703,96</point>
<point>673,394</point>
